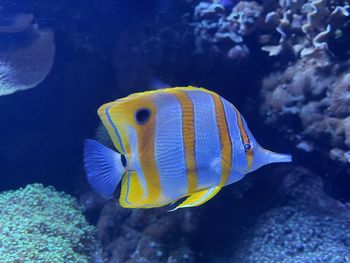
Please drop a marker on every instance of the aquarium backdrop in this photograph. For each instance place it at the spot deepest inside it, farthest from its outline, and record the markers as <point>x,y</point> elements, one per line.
<point>285,65</point>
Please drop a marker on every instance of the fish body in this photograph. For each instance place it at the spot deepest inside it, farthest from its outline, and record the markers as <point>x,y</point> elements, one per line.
<point>172,143</point>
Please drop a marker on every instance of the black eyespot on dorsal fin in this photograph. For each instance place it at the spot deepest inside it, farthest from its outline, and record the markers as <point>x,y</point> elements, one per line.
<point>124,161</point>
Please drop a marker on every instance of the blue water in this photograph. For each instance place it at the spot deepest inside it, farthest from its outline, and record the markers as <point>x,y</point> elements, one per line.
<point>43,129</point>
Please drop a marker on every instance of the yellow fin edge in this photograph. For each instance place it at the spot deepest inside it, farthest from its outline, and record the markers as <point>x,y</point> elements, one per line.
<point>198,198</point>
<point>132,194</point>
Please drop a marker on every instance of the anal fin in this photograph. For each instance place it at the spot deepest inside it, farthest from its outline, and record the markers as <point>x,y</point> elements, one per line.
<point>132,193</point>
<point>198,198</point>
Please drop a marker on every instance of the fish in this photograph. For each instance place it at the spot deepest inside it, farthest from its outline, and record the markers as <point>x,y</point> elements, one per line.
<point>174,145</point>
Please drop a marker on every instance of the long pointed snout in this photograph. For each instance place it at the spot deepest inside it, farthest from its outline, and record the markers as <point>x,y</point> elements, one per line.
<point>263,157</point>
<point>272,157</point>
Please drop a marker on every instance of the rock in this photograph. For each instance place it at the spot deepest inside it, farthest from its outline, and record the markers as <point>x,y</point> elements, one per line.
<point>308,226</point>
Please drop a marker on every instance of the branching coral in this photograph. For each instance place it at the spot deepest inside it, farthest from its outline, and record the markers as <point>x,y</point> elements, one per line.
<point>296,26</point>
<point>306,26</point>
<point>39,224</point>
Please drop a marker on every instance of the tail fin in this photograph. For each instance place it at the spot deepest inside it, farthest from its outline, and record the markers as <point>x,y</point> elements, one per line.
<point>104,167</point>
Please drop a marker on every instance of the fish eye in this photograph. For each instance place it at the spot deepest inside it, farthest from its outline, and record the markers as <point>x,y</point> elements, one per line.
<point>123,159</point>
<point>142,116</point>
<point>247,147</point>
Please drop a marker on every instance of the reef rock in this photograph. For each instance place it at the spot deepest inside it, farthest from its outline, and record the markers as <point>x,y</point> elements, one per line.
<point>307,226</point>
<point>140,235</point>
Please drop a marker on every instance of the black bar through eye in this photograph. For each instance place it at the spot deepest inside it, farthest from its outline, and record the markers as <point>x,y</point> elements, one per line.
<point>142,115</point>
<point>123,159</point>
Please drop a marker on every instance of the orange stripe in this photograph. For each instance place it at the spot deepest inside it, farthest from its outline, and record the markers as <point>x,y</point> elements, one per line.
<point>145,134</point>
<point>245,139</point>
<point>225,141</point>
<point>188,137</point>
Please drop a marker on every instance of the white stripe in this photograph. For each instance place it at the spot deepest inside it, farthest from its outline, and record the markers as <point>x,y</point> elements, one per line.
<point>207,140</point>
<point>169,148</point>
<point>135,160</point>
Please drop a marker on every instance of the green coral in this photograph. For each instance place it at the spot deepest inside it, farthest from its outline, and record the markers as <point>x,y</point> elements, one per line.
<point>39,224</point>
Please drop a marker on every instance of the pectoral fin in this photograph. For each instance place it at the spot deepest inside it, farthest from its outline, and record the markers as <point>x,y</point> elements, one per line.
<point>199,198</point>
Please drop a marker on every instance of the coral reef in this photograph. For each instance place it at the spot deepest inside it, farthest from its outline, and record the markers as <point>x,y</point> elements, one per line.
<point>307,226</point>
<point>298,27</point>
<point>306,26</point>
<point>310,101</point>
<point>39,224</point>
<point>145,235</point>
<point>218,29</point>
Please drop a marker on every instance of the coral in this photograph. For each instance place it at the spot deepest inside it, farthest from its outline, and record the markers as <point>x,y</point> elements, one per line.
<point>28,60</point>
<point>39,224</point>
<point>305,26</point>
<point>299,27</point>
<point>223,31</point>
<point>313,93</point>
<point>145,235</point>
<point>307,226</point>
